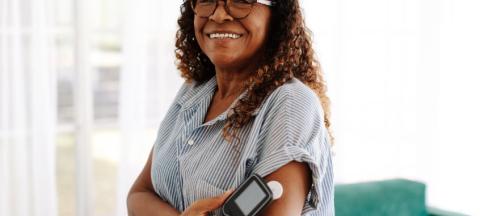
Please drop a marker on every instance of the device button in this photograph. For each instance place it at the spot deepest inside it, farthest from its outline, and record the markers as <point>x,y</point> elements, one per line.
<point>190,142</point>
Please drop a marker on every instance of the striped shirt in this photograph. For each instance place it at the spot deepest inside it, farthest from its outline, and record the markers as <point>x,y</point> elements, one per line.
<point>192,161</point>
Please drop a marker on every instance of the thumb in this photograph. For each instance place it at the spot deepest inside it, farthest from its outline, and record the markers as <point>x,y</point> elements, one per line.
<point>216,202</point>
<point>226,194</point>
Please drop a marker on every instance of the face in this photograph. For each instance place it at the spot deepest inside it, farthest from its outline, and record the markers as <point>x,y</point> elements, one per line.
<point>243,46</point>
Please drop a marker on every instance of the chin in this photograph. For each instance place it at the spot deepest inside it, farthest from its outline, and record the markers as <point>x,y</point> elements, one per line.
<point>223,61</point>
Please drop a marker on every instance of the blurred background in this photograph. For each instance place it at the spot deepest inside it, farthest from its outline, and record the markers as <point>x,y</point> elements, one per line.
<point>84,85</point>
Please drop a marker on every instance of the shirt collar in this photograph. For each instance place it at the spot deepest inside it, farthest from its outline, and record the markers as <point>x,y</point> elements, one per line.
<point>205,91</point>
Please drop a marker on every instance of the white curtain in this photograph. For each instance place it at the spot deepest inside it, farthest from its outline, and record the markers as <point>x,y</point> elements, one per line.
<point>148,83</point>
<point>406,81</point>
<point>27,109</point>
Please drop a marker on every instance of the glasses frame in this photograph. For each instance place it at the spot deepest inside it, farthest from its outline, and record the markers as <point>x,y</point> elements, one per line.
<point>226,7</point>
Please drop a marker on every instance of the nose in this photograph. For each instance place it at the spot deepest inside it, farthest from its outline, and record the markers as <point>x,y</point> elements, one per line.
<point>220,15</point>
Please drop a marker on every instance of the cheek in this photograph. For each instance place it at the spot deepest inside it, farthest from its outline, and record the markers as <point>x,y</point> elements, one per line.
<point>198,25</point>
<point>262,33</point>
<point>258,35</point>
<point>258,26</point>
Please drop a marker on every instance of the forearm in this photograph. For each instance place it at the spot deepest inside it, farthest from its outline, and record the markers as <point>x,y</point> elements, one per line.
<point>148,204</point>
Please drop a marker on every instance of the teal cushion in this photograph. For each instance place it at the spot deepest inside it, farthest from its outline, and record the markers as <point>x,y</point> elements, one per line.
<point>397,197</point>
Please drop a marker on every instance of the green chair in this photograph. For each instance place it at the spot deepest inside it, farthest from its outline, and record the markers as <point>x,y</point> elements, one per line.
<point>397,197</point>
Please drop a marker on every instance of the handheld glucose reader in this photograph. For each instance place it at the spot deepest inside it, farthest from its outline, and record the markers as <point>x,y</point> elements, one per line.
<point>252,196</point>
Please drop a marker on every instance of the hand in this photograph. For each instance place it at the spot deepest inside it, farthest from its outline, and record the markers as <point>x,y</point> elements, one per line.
<point>202,207</point>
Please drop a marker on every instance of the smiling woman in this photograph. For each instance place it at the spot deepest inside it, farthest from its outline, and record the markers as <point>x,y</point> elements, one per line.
<point>254,101</point>
<point>229,43</point>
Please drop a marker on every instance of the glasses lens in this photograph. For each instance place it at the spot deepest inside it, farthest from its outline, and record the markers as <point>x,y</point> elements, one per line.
<point>240,8</point>
<point>237,8</point>
<point>204,8</point>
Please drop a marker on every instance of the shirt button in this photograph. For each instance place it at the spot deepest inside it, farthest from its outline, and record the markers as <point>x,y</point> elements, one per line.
<point>190,142</point>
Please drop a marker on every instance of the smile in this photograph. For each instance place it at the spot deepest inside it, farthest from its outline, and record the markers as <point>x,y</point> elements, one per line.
<point>224,35</point>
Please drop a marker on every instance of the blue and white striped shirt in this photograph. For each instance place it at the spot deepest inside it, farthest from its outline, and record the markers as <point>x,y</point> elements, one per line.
<point>192,160</point>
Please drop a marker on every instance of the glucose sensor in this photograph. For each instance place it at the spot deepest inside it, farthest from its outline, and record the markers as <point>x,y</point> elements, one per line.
<point>252,196</point>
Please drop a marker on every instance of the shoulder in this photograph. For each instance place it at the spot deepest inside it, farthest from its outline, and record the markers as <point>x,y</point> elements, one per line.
<point>183,94</point>
<point>183,89</point>
<point>191,89</point>
<point>296,97</point>
<point>292,111</point>
<point>186,89</point>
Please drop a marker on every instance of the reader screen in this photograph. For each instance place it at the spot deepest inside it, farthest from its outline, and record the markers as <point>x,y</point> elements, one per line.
<point>250,198</point>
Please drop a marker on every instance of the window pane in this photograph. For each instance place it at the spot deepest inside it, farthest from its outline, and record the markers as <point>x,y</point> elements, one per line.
<point>65,72</point>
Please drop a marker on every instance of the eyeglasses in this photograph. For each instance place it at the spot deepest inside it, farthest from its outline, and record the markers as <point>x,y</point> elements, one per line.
<point>236,8</point>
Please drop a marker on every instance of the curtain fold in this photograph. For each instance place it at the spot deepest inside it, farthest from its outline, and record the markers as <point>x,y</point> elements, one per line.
<point>148,82</point>
<point>27,109</point>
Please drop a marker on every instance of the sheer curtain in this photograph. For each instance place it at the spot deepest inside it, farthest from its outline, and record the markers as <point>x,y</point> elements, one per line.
<point>404,79</point>
<point>27,109</point>
<point>148,83</point>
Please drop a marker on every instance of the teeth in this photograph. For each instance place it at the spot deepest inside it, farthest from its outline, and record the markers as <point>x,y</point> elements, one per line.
<point>224,35</point>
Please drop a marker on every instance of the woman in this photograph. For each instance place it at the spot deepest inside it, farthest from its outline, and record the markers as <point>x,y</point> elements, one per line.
<point>253,102</point>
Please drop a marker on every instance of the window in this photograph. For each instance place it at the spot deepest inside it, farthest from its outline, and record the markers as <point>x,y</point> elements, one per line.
<point>105,56</point>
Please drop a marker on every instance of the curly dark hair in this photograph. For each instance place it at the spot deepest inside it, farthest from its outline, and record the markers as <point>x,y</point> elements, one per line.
<point>287,54</point>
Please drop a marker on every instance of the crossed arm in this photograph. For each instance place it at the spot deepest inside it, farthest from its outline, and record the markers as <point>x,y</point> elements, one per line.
<point>294,176</point>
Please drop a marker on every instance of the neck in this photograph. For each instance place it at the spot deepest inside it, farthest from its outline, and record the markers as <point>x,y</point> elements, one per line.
<point>230,83</point>
<point>230,80</point>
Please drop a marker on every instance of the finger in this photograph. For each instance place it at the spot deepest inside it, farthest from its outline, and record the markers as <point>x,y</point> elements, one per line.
<point>216,202</point>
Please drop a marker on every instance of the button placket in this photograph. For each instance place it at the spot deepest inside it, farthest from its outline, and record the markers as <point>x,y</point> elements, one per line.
<point>190,139</point>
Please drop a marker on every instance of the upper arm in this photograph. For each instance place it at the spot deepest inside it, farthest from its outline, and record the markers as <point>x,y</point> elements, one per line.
<point>295,177</point>
<point>293,147</point>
